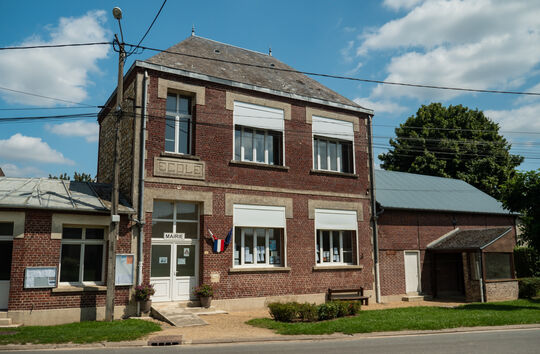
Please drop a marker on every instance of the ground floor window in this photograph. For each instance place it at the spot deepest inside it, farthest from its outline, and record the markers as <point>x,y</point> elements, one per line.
<point>334,247</point>
<point>258,246</point>
<point>82,255</point>
<point>498,266</point>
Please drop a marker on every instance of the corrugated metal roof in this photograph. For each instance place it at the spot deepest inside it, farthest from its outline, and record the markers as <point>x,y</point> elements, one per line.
<point>262,74</point>
<point>469,239</point>
<point>402,190</point>
<point>45,193</point>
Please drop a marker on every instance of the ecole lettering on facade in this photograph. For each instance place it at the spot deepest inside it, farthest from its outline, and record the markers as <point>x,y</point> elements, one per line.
<point>274,158</point>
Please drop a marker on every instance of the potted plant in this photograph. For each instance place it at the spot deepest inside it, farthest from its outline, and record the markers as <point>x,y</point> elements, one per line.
<point>204,292</point>
<point>142,295</point>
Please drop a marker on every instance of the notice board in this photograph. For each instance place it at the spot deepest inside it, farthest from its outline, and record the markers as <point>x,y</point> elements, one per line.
<point>124,269</point>
<point>40,277</point>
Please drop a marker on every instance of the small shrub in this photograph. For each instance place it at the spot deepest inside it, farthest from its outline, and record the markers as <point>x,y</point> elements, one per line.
<point>529,287</point>
<point>342,308</point>
<point>527,262</point>
<point>308,312</point>
<point>204,290</point>
<point>328,310</point>
<point>144,291</point>
<point>284,312</point>
<point>353,307</point>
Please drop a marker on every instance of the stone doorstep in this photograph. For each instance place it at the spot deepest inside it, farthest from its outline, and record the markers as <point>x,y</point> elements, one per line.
<point>412,298</point>
<point>182,316</point>
<point>3,314</point>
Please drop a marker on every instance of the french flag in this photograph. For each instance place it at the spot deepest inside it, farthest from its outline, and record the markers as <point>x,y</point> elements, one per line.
<point>219,244</point>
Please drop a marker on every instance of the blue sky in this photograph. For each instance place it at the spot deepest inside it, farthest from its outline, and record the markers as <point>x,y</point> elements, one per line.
<point>485,44</point>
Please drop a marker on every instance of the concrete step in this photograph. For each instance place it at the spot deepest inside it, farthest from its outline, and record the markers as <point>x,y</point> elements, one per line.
<point>3,314</point>
<point>179,316</point>
<point>412,298</point>
<point>5,322</point>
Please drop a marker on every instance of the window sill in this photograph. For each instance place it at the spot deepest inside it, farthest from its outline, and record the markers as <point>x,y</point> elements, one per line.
<point>258,165</point>
<point>338,267</point>
<point>259,269</point>
<point>180,156</point>
<point>78,289</point>
<point>499,280</point>
<point>333,173</point>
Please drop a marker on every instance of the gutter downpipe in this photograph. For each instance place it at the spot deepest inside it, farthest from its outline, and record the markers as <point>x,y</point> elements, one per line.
<point>141,215</point>
<point>373,211</point>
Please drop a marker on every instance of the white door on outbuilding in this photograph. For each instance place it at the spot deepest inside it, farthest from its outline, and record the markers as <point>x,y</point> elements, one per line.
<point>412,271</point>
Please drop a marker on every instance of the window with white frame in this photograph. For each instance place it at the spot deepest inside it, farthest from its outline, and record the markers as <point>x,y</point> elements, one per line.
<point>258,246</point>
<point>333,145</point>
<point>258,133</point>
<point>335,237</point>
<point>255,145</point>
<point>332,155</point>
<point>180,219</point>
<point>178,124</point>
<point>334,247</point>
<point>259,236</point>
<point>82,255</point>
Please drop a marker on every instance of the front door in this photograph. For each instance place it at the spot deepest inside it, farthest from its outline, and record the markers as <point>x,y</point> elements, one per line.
<point>175,250</point>
<point>6,249</point>
<point>412,278</point>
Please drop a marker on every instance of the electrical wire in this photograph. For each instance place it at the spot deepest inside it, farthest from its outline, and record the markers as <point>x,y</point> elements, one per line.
<point>47,97</point>
<point>148,30</point>
<point>55,45</point>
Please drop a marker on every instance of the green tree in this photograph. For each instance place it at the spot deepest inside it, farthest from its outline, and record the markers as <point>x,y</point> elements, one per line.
<point>79,177</point>
<point>521,193</point>
<point>454,142</point>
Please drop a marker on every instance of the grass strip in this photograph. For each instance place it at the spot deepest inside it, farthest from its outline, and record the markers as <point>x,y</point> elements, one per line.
<point>521,311</point>
<point>80,332</point>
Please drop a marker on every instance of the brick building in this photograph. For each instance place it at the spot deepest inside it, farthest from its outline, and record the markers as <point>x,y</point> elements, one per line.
<point>258,150</point>
<point>53,253</point>
<point>443,237</point>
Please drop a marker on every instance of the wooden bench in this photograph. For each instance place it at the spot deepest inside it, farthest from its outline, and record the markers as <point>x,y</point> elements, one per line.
<point>348,294</point>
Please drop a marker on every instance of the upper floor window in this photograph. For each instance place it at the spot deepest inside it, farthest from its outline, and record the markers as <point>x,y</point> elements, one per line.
<point>258,133</point>
<point>333,142</point>
<point>178,124</point>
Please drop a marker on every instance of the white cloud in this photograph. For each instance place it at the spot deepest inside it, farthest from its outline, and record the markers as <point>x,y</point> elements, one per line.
<point>26,148</point>
<point>525,118</point>
<point>87,130</point>
<point>11,170</point>
<point>380,106</point>
<point>458,43</point>
<point>55,72</point>
<point>349,29</point>
<point>401,4</point>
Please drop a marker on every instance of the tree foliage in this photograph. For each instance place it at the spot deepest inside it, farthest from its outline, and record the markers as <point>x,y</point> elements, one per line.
<point>521,193</point>
<point>78,177</point>
<point>454,142</point>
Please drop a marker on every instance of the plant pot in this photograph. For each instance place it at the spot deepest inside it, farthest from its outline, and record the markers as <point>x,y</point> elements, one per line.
<point>145,306</point>
<point>205,301</point>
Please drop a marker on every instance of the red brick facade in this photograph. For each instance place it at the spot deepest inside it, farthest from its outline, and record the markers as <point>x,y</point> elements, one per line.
<point>36,249</point>
<point>213,144</point>
<point>401,230</point>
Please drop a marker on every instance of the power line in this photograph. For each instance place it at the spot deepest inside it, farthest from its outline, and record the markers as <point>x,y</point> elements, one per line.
<point>47,97</point>
<point>148,30</point>
<point>56,45</point>
<point>39,108</point>
<point>394,83</point>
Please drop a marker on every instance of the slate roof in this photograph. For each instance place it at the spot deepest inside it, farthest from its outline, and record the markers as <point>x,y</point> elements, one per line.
<point>261,75</point>
<point>469,239</point>
<point>54,194</point>
<point>400,190</point>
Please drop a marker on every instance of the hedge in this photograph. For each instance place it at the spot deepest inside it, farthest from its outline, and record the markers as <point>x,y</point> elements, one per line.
<point>529,287</point>
<point>527,262</point>
<point>293,311</point>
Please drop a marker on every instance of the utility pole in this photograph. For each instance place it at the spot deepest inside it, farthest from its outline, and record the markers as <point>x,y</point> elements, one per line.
<point>115,217</point>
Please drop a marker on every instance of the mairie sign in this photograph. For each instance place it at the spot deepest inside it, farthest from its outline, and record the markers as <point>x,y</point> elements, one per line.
<point>181,235</point>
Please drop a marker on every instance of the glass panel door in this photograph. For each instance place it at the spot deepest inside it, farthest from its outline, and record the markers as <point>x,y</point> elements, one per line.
<point>185,260</point>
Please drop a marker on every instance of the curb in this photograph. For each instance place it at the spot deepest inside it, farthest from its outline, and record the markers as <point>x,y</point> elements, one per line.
<point>283,338</point>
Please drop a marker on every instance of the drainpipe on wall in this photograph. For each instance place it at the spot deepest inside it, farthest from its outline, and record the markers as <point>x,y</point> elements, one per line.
<point>373,211</point>
<point>141,215</point>
<point>480,270</point>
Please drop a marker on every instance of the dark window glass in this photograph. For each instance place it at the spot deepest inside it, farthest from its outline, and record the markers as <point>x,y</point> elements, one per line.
<point>277,144</point>
<point>161,261</point>
<point>6,249</point>
<point>162,210</point>
<point>183,135</point>
<point>70,263</point>
<point>323,155</point>
<point>237,245</point>
<point>184,105</point>
<point>186,211</point>
<point>93,263</point>
<point>171,103</point>
<point>247,141</point>
<point>185,261</point>
<point>72,233</point>
<point>237,143</point>
<point>347,247</point>
<point>6,229</point>
<point>95,234</point>
<point>346,157</point>
<point>169,133</point>
<point>189,228</point>
<point>498,266</point>
<point>160,227</point>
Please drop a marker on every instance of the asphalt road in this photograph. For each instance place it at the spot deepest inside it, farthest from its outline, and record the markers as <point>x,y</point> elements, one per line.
<point>492,342</point>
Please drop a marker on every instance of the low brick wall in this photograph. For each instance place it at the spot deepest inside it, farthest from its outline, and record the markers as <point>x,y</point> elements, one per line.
<point>502,290</point>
